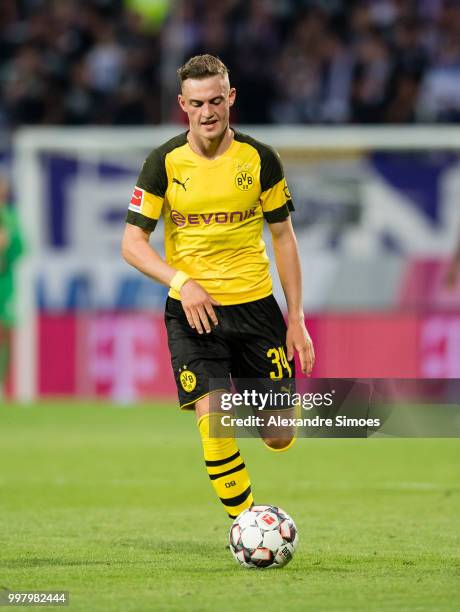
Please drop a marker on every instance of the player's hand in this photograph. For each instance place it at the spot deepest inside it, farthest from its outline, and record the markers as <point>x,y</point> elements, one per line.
<point>298,339</point>
<point>198,306</point>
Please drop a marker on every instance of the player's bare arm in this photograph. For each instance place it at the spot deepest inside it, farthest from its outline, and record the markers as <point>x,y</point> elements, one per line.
<point>196,301</point>
<point>288,266</point>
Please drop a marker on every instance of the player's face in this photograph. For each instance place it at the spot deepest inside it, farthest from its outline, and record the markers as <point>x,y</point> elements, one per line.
<point>207,103</point>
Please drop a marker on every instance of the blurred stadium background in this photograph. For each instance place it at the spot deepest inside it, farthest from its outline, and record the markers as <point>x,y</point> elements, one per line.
<point>361,99</point>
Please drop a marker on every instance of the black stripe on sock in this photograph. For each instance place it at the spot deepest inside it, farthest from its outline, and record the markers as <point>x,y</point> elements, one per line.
<point>239,467</point>
<point>222,461</point>
<point>236,501</point>
<point>232,516</point>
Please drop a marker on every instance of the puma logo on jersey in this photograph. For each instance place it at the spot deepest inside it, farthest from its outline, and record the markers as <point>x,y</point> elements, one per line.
<point>177,181</point>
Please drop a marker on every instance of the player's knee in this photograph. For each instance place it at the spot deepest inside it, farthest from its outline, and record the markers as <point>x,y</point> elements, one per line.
<point>278,443</point>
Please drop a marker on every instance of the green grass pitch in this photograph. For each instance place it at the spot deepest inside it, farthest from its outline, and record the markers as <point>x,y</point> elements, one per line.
<point>114,505</point>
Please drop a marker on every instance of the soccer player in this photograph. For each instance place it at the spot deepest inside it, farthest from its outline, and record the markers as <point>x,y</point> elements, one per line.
<point>11,247</point>
<point>214,187</point>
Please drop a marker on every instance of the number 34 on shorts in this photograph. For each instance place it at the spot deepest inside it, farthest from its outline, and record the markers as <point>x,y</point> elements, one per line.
<point>282,369</point>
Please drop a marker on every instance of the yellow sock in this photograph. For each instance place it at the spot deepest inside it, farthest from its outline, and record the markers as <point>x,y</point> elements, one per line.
<point>226,469</point>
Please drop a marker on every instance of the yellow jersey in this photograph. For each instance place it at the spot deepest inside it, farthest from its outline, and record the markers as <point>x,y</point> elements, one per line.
<point>213,212</point>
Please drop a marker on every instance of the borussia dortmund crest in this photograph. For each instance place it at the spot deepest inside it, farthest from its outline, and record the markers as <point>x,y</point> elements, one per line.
<point>244,180</point>
<point>187,379</point>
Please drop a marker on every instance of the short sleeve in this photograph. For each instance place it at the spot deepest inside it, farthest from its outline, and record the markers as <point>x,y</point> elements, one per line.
<point>148,194</point>
<point>275,196</point>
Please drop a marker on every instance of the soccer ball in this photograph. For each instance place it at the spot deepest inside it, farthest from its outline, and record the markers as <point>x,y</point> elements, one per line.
<point>263,536</point>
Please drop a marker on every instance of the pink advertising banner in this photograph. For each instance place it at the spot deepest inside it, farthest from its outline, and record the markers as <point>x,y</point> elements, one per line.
<point>125,357</point>
<point>120,356</point>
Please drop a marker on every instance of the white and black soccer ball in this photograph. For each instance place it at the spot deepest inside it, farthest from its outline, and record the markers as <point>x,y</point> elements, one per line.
<point>263,536</point>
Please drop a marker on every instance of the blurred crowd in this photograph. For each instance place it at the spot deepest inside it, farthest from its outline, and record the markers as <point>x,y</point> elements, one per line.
<point>293,61</point>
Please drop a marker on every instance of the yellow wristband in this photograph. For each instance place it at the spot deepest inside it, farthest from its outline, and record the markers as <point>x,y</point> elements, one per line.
<point>178,280</point>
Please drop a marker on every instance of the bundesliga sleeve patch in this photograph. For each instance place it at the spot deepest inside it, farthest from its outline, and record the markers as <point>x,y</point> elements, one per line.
<point>136,199</point>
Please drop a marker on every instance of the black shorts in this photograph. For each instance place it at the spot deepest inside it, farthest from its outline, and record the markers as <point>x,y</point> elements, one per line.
<point>248,342</point>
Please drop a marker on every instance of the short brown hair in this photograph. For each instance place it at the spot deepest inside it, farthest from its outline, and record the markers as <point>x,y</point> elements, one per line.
<point>201,67</point>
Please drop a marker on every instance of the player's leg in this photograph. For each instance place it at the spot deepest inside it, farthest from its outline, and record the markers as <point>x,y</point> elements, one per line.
<point>227,471</point>
<point>6,334</point>
<point>281,438</point>
<point>5,351</point>
<point>195,360</point>
<point>278,443</point>
<point>261,354</point>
